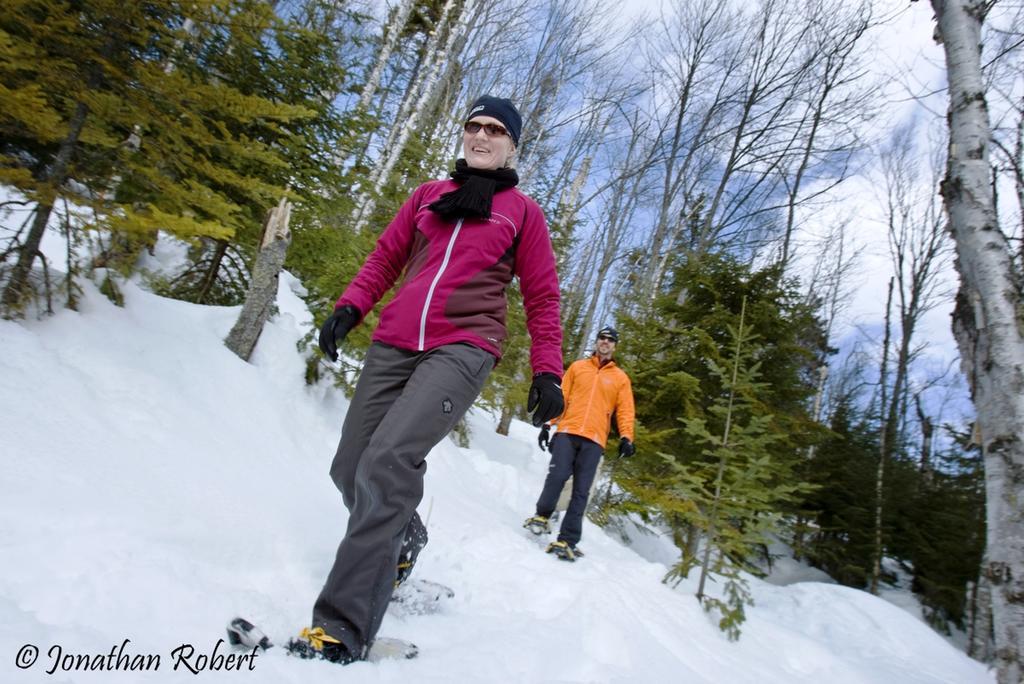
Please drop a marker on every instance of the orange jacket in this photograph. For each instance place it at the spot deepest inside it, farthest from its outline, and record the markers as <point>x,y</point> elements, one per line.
<point>592,393</point>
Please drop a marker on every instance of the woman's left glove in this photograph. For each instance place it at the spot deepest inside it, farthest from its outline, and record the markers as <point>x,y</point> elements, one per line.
<point>626,448</point>
<point>546,397</point>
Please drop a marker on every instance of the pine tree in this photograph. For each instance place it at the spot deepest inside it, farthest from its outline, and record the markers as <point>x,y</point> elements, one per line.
<point>670,353</point>
<point>937,527</point>
<point>735,489</point>
<point>296,59</point>
<point>842,516</point>
<point>933,523</point>
<point>140,112</point>
<point>63,63</point>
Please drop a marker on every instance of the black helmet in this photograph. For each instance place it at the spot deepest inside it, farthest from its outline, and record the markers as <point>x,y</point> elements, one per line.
<point>609,331</point>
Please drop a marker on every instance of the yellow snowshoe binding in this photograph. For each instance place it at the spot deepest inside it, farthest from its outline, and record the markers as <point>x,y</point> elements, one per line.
<point>564,551</point>
<point>538,524</point>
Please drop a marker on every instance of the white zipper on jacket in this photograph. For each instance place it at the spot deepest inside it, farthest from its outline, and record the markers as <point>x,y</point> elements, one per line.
<point>437,278</point>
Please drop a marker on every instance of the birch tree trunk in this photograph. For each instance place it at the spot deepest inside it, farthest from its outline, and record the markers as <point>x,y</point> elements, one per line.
<point>405,125</point>
<point>607,245</point>
<point>263,288</point>
<point>394,31</point>
<point>705,26</point>
<point>917,248</point>
<point>979,620</point>
<point>883,448</point>
<point>827,281</point>
<point>986,324</point>
<point>836,49</point>
<point>419,84</point>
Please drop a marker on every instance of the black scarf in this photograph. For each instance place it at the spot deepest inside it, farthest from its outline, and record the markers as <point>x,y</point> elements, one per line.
<point>472,199</point>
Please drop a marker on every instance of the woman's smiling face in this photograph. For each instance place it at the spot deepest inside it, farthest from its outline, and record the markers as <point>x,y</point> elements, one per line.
<point>483,150</point>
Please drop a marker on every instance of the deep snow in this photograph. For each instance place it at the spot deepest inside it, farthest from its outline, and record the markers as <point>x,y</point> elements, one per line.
<point>154,486</point>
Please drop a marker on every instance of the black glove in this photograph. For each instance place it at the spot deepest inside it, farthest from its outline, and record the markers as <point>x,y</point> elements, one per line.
<point>626,448</point>
<point>544,437</point>
<point>546,397</point>
<point>335,328</point>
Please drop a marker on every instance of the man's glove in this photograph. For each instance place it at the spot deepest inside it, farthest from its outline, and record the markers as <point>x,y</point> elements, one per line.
<point>544,438</point>
<point>334,329</point>
<point>626,448</point>
<point>546,397</point>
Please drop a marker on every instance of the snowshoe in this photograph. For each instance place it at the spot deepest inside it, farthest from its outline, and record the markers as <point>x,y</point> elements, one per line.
<point>419,597</point>
<point>538,524</point>
<point>389,648</point>
<point>241,632</point>
<point>317,644</point>
<point>564,551</point>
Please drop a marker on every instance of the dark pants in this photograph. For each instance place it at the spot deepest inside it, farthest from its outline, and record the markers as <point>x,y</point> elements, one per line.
<point>405,403</point>
<point>576,456</point>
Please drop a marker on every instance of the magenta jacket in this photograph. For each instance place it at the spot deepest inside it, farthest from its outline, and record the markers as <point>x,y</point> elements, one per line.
<point>453,289</point>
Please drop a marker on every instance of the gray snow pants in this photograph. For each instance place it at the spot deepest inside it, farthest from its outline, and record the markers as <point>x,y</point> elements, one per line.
<point>405,403</point>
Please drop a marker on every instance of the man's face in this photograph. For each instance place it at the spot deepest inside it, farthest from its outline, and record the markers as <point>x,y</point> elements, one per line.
<point>605,345</point>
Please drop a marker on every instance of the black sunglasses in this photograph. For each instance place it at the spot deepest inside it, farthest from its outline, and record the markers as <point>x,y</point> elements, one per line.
<point>606,338</point>
<point>494,130</point>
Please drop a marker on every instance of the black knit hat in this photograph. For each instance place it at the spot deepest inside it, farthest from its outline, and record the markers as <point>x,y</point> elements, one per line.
<point>609,331</point>
<point>501,109</point>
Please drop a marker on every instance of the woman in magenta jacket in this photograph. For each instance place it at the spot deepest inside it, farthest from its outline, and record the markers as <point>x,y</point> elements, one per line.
<point>456,244</point>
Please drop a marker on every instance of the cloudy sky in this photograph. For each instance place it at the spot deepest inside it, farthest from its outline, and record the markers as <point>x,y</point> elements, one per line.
<point>907,60</point>
<point>910,63</point>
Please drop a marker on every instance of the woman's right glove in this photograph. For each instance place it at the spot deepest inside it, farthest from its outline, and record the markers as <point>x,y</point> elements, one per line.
<point>546,397</point>
<point>335,328</point>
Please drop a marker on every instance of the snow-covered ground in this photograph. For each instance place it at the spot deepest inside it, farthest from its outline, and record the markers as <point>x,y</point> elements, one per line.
<point>154,486</point>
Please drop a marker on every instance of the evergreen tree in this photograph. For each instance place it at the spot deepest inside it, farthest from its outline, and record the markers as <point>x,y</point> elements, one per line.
<point>65,65</point>
<point>296,58</point>
<point>946,536</point>
<point>933,523</point>
<point>735,489</point>
<point>671,353</point>
<point>139,112</point>
<point>843,470</point>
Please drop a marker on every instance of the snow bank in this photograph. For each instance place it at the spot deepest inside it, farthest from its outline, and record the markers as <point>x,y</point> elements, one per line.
<point>155,486</point>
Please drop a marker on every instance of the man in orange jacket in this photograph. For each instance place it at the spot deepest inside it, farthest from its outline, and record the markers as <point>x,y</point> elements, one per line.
<point>595,389</point>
